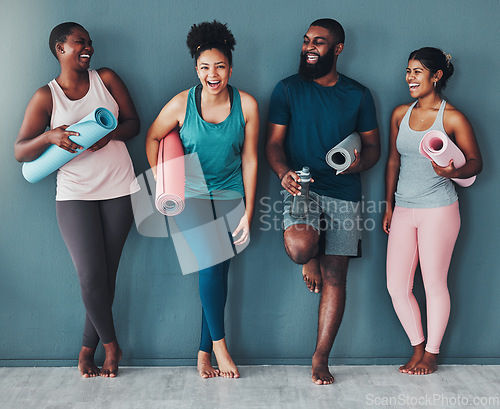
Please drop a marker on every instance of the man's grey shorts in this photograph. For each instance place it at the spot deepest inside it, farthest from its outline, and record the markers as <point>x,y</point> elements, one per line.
<point>338,221</point>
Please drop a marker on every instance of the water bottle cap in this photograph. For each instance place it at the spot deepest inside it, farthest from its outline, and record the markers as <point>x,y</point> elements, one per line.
<point>304,174</point>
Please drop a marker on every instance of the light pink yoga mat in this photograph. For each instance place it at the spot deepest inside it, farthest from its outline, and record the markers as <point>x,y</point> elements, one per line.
<point>436,146</point>
<point>170,175</point>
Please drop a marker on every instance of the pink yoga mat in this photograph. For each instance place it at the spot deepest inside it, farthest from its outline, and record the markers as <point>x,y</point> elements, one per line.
<point>436,146</point>
<point>170,175</point>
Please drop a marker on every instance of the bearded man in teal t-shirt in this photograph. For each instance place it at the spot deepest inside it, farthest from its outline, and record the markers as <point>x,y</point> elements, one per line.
<point>310,113</point>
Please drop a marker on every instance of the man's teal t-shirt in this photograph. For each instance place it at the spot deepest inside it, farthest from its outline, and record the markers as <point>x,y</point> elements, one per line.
<point>318,118</point>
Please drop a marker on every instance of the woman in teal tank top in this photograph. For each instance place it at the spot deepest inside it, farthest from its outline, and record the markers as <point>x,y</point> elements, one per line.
<point>219,128</point>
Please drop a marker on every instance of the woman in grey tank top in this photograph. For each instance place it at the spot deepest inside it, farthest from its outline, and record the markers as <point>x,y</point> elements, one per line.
<point>422,216</point>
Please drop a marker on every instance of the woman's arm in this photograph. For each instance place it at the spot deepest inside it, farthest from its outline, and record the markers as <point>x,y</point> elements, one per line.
<point>33,139</point>
<point>171,116</point>
<point>249,163</point>
<point>456,124</point>
<point>392,166</point>
<point>128,120</point>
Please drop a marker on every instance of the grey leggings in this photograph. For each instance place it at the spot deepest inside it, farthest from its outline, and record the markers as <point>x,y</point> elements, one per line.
<point>95,233</point>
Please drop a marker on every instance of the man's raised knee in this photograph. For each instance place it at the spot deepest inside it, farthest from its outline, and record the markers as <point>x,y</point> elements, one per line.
<point>301,243</point>
<point>301,251</point>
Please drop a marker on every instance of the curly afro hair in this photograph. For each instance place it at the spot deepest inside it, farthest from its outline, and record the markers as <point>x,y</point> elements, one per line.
<point>206,36</point>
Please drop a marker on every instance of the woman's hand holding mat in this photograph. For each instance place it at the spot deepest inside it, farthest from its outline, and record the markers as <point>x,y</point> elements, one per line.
<point>341,156</point>
<point>91,129</point>
<point>170,175</point>
<point>436,146</point>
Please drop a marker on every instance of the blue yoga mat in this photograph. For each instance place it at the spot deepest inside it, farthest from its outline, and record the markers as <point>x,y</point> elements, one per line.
<point>92,128</point>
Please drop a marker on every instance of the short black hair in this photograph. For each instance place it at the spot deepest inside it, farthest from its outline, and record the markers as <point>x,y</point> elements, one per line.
<point>333,26</point>
<point>434,60</point>
<point>59,34</point>
<point>206,35</point>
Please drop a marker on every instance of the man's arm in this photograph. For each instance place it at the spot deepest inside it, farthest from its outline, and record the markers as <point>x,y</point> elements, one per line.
<point>275,152</point>
<point>275,148</point>
<point>370,152</point>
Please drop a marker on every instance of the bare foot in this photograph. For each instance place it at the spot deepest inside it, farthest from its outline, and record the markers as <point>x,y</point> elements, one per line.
<point>113,356</point>
<point>86,363</point>
<point>227,368</point>
<point>312,275</point>
<point>320,373</point>
<point>418,353</point>
<point>205,368</point>
<point>426,366</point>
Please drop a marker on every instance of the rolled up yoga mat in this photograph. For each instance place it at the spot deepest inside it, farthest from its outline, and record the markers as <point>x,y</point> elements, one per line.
<point>92,128</point>
<point>341,156</point>
<point>436,146</point>
<point>170,175</point>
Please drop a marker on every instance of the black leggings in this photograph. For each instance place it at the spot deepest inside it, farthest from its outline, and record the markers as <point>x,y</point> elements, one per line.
<point>95,233</point>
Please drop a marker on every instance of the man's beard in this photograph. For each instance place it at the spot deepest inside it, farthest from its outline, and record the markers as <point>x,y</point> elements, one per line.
<point>322,67</point>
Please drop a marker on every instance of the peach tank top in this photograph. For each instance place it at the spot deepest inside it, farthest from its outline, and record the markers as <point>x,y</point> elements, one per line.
<point>105,174</point>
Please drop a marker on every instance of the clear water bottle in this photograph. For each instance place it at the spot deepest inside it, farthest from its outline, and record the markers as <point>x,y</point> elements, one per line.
<point>300,203</point>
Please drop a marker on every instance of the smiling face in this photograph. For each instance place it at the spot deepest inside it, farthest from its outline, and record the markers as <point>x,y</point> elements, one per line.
<point>318,54</point>
<point>213,70</point>
<point>317,43</point>
<point>420,80</point>
<point>77,49</point>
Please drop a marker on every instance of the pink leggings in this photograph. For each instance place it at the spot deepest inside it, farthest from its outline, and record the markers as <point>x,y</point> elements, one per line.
<point>427,235</point>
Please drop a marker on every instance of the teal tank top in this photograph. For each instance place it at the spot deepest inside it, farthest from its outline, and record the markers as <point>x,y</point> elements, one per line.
<point>213,152</point>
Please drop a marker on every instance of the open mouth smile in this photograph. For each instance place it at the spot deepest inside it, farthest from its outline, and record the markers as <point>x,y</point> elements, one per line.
<point>312,58</point>
<point>213,84</point>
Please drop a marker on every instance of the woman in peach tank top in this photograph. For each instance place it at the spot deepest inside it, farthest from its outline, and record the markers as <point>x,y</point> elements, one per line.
<point>93,204</point>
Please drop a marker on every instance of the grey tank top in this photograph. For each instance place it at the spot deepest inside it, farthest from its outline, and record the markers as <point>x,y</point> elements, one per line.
<point>418,185</point>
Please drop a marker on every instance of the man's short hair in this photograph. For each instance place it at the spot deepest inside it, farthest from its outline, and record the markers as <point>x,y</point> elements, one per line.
<point>333,26</point>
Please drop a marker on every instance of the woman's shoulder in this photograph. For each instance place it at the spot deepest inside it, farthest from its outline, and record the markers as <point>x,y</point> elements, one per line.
<point>176,107</point>
<point>180,100</point>
<point>43,92</point>
<point>106,74</point>
<point>451,110</point>
<point>453,116</point>
<point>247,100</point>
<point>399,112</point>
<point>249,107</point>
<point>109,78</point>
<point>245,95</point>
<point>43,98</point>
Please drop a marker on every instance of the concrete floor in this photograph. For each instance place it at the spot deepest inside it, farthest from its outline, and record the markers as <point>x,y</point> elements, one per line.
<point>259,387</point>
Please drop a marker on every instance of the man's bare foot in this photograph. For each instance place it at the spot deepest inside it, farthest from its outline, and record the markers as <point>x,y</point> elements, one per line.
<point>418,353</point>
<point>205,368</point>
<point>86,363</point>
<point>426,366</point>
<point>227,368</point>
<point>312,275</point>
<point>320,373</point>
<point>113,356</point>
